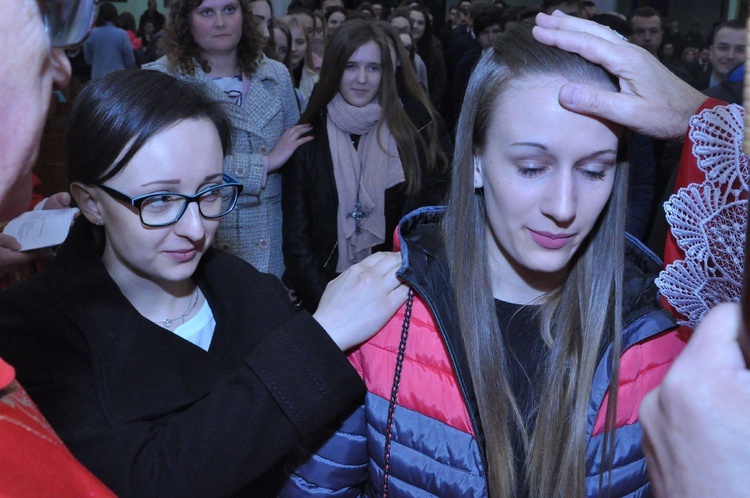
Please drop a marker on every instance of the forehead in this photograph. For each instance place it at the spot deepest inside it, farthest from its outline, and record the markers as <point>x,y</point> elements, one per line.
<point>369,52</point>
<point>533,99</point>
<point>730,36</point>
<point>261,8</point>
<point>646,22</point>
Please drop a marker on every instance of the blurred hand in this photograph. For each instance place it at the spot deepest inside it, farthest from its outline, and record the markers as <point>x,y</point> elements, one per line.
<point>697,423</point>
<point>10,256</point>
<point>360,301</point>
<point>652,100</point>
<point>288,142</point>
<point>60,200</point>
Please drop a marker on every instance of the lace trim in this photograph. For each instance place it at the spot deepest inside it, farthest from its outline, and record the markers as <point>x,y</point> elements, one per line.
<point>708,219</point>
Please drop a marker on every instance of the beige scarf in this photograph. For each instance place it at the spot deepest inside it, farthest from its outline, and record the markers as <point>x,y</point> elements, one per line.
<point>362,176</point>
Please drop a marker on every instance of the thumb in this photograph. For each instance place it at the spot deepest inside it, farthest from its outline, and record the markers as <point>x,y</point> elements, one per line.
<point>605,104</point>
<point>714,343</point>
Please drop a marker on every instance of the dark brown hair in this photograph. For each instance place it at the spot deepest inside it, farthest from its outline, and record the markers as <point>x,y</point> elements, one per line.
<point>345,40</point>
<point>183,50</point>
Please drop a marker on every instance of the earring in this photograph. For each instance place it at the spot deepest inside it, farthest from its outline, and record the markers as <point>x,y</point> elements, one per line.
<point>98,223</point>
<point>477,180</point>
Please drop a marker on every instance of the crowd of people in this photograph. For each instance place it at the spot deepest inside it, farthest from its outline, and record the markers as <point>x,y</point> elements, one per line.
<point>346,251</point>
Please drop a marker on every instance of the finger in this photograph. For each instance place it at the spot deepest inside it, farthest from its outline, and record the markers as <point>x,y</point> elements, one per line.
<point>304,140</point>
<point>606,104</point>
<point>605,51</point>
<point>559,21</point>
<point>9,242</point>
<point>714,344</point>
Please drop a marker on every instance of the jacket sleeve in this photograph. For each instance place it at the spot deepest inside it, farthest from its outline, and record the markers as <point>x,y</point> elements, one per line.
<point>291,383</point>
<point>333,465</point>
<point>128,56</point>
<point>304,267</point>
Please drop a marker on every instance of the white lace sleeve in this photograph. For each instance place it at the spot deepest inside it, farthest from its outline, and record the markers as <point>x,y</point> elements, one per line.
<point>708,219</point>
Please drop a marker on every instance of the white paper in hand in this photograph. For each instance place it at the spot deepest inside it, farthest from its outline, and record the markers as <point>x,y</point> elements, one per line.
<point>44,228</point>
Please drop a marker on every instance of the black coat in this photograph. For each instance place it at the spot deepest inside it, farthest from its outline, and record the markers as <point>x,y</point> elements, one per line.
<point>150,413</point>
<point>310,203</point>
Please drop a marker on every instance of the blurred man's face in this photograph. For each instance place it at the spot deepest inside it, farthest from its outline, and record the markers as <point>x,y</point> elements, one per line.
<point>647,33</point>
<point>28,72</point>
<point>727,51</point>
<point>488,35</point>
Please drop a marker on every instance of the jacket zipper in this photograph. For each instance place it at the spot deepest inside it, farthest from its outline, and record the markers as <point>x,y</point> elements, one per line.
<point>462,385</point>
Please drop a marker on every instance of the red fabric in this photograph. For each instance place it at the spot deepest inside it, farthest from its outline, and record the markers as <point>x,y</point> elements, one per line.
<point>687,173</point>
<point>428,384</point>
<point>642,368</point>
<point>135,42</point>
<point>33,460</point>
<point>37,194</point>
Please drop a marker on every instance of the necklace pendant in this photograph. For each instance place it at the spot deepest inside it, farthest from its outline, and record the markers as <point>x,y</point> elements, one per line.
<point>167,322</point>
<point>358,214</point>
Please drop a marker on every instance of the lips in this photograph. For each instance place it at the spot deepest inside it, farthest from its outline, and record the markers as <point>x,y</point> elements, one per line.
<point>551,240</point>
<point>183,255</point>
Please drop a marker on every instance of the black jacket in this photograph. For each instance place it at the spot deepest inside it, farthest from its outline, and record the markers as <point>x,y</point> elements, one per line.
<point>310,203</point>
<point>151,414</point>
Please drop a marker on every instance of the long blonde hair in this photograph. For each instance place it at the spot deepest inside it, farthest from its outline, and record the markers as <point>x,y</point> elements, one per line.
<point>577,320</point>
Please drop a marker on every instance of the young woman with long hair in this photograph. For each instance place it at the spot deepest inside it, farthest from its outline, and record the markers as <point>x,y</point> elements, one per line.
<point>217,44</point>
<point>373,159</point>
<point>168,367</point>
<point>534,326</point>
<point>431,51</point>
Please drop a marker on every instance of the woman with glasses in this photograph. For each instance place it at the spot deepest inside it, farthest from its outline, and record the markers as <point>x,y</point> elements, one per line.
<point>168,367</point>
<point>217,44</point>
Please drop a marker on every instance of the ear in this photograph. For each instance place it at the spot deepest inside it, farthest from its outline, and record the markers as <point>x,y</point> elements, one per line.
<point>87,199</point>
<point>60,67</point>
<point>478,174</point>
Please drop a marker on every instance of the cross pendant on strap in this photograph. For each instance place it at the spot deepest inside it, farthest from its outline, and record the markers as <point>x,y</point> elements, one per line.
<point>358,214</point>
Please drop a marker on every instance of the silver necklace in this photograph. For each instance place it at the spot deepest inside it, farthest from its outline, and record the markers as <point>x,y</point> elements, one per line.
<point>168,322</point>
<point>358,214</point>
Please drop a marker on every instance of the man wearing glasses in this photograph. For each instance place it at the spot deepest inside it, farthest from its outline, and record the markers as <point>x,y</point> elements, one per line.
<point>33,33</point>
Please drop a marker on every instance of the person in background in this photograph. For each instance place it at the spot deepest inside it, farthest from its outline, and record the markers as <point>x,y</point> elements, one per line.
<point>152,15</point>
<point>33,460</point>
<point>216,44</point>
<point>431,52</point>
<point>727,50</point>
<point>282,40</point>
<point>373,159</point>
<point>334,17</point>
<point>570,7</point>
<point>263,17</point>
<point>127,23</point>
<point>108,47</point>
<point>299,50</point>
<point>646,24</point>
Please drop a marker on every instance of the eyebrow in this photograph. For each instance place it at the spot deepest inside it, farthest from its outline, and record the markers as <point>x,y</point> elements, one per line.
<point>178,181</point>
<point>546,149</point>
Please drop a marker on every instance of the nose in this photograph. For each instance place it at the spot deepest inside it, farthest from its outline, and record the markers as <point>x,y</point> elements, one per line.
<point>560,199</point>
<point>362,75</point>
<point>191,224</point>
<point>219,20</point>
<point>264,31</point>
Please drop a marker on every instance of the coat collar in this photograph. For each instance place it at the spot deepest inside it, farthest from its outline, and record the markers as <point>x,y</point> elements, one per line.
<point>142,371</point>
<point>260,103</point>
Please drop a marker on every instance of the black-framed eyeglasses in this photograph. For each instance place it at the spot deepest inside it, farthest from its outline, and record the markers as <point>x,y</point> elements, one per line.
<point>67,22</point>
<point>162,209</point>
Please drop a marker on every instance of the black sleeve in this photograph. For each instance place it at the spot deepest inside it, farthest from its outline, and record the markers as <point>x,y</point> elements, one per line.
<point>304,267</point>
<point>287,383</point>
